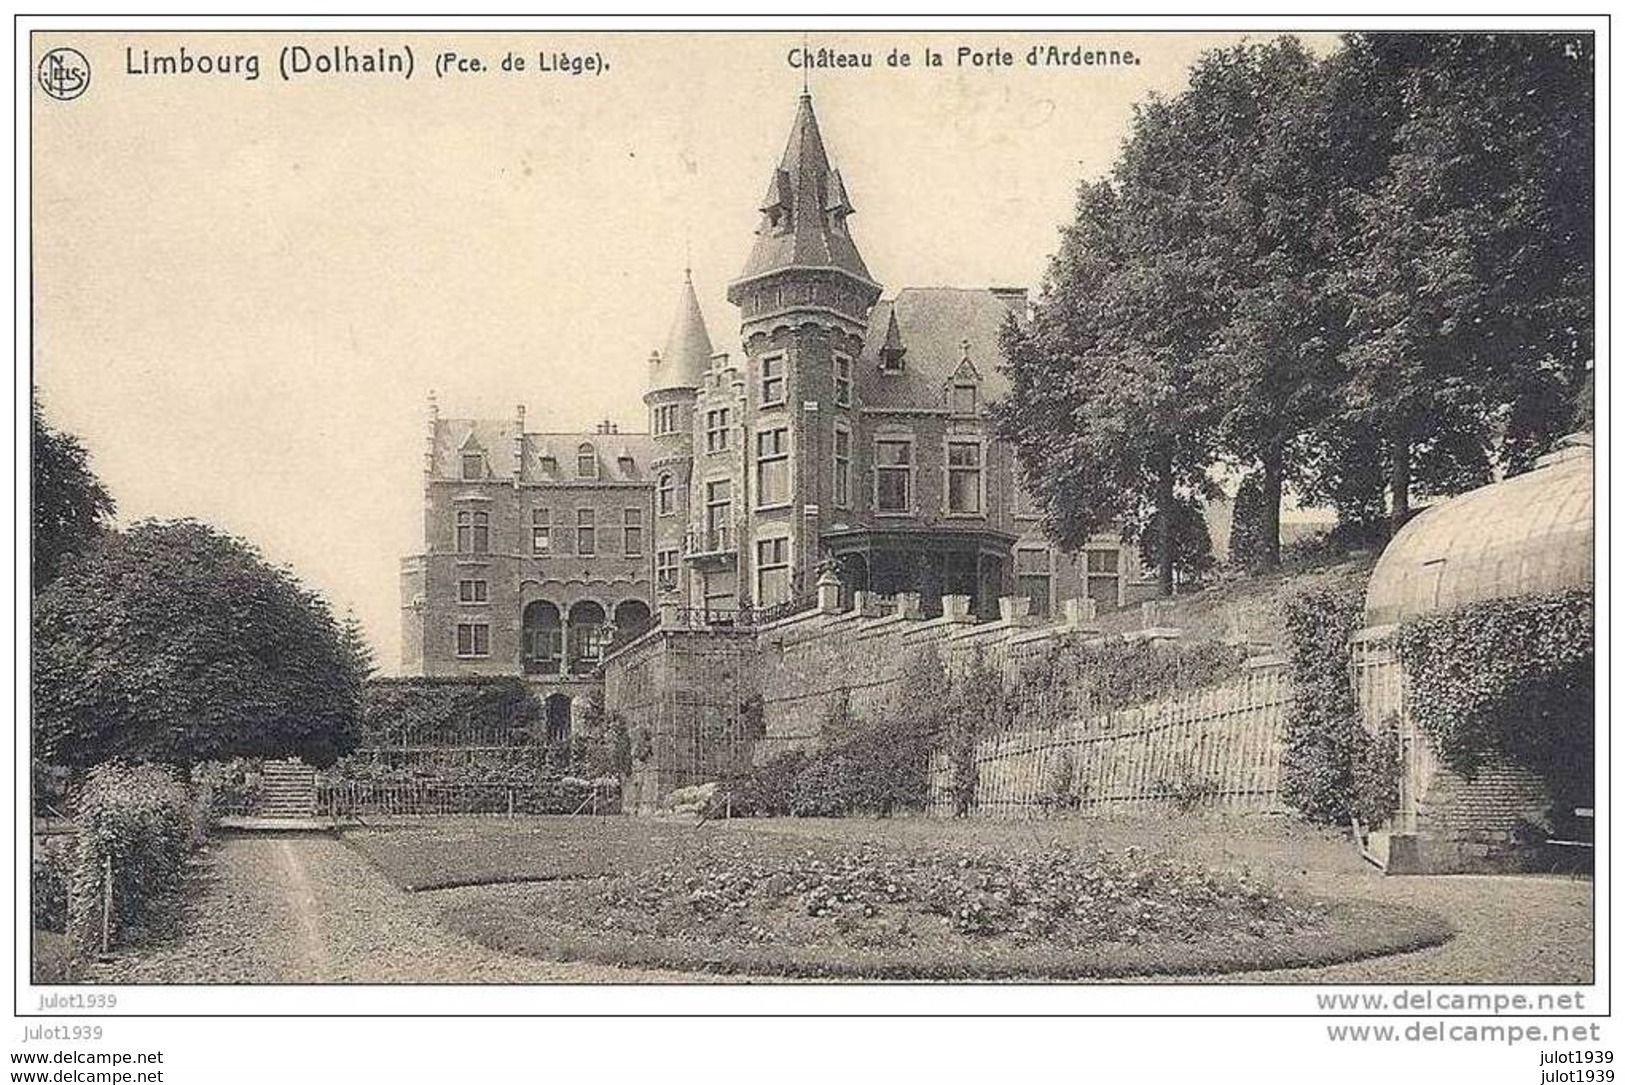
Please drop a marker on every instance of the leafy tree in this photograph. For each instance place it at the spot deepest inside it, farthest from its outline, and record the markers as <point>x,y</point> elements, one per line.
<point>1189,541</point>
<point>172,642</point>
<point>357,649</point>
<point>1470,272</point>
<point>1267,228</point>
<point>71,507</point>
<point>1109,410</point>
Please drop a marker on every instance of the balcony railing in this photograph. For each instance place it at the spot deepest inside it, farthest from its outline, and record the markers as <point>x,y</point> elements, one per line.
<point>744,617</point>
<point>709,541</point>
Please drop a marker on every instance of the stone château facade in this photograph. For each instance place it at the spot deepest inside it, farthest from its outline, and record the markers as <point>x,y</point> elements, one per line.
<point>850,433</point>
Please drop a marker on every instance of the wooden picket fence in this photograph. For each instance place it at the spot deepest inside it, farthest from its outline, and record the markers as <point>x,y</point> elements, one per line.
<point>1217,749</point>
<point>351,798</point>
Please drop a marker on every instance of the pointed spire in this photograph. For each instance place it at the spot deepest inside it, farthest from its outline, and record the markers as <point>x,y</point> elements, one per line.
<point>805,209</point>
<point>892,349</point>
<point>688,348</point>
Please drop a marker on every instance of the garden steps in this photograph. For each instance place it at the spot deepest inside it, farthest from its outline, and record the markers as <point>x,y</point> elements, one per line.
<point>287,792</point>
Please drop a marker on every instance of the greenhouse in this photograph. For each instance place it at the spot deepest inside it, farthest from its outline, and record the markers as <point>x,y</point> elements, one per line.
<point>1494,755</point>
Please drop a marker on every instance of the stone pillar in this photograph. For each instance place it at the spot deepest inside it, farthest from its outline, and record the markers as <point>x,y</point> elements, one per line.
<point>908,605</point>
<point>956,608</point>
<point>1080,612</point>
<point>669,613</point>
<point>829,593</point>
<point>1014,608</point>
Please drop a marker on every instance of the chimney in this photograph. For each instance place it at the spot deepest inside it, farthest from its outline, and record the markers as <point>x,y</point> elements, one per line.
<point>518,443</point>
<point>433,425</point>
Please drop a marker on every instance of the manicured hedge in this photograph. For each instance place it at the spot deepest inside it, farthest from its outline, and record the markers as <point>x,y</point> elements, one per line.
<point>448,711</point>
<point>138,821</point>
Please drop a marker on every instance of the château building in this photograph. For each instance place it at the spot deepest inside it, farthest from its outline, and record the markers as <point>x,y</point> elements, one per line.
<point>850,432</point>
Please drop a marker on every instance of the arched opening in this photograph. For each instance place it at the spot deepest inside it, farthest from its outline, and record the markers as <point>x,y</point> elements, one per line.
<point>558,719</point>
<point>631,620</point>
<point>542,638</point>
<point>587,632</point>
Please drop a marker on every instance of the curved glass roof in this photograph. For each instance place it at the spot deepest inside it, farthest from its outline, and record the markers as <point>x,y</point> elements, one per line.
<point>1529,533</point>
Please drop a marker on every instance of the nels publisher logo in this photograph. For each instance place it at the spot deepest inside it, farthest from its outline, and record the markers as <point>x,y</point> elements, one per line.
<point>64,73</point>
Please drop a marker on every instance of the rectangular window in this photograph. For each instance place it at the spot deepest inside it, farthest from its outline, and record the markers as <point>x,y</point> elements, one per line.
<point>1102,577</point>
<point>716,430</point>
<point>772,379</point>
<point>894,474</point>
<point>665,419</point>
<point>473,466</point>
<point>632,532</point>
<point>541,531</point>
<point>666,570</point>
<point>472,591</point>
<point>772,571</point>
<point>843,381</point>
<point>586,532</point>
<point>586,462</point>
<point>772,467</point>
<point>473,639</point>
<point>965,478</point>
<point>473,532</point>
<point>666,495</point>
<point>718,515</point>
<point>1033,577</point>
<point>964,399</point>
<point>843,467</point>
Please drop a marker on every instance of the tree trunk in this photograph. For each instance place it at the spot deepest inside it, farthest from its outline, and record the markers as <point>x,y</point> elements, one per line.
<point>1269,524</point>
<point>1399,480</point>
<point>1165,527</point>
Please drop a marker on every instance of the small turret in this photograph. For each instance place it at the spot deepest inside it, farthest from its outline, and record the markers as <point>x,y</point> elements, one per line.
<point>688,346</point>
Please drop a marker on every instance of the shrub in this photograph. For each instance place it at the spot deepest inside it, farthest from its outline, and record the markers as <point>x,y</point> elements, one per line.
<point>1323,726</point>
<point>226,788</point>
<point>49,885</point>
<point>1075,679</point>
<point>449,712</point>
<point>136,820</point>
<point>1376,768</point>
<point>1506,676</point>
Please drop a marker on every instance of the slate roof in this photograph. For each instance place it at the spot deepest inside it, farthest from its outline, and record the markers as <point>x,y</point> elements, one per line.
<point>811,202</point>
<point>688,346</point>
<point>933,324</point>
<point>622,457</point>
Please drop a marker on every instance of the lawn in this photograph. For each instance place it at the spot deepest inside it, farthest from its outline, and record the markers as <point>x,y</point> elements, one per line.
<point>445,853</point>
<point>903,898</point>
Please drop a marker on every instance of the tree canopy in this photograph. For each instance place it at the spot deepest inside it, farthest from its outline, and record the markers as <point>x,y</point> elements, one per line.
<point>70,505</point>
<point>1352,275</point>
<point>173,642</point>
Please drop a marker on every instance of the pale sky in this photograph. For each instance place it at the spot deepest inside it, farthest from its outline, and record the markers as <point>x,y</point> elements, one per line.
<point>244,290</point>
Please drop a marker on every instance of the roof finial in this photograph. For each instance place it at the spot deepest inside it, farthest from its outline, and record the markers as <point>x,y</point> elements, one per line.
<point>806,51</point>
<point>688,258</point>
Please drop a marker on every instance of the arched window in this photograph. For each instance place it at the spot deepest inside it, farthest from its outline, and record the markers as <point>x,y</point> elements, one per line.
<point>666,495</point>
<point>586,461</point>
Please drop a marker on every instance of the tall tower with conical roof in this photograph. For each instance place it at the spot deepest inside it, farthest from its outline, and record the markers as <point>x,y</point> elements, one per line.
<point>804,299</point>
<point>676,376</point>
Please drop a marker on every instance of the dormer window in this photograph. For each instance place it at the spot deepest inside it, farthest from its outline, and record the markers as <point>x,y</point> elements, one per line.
<point>473,466</point>
<point>962,399</point>
<point>586,462</point>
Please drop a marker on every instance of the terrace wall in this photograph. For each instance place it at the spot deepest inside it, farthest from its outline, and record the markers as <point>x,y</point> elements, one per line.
<point>1214,749</point>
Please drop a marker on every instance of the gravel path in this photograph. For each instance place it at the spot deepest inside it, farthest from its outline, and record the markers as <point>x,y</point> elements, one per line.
<point>308,909</point>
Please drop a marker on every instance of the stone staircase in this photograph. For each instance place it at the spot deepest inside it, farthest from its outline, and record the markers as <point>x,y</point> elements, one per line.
<point>287,791</point>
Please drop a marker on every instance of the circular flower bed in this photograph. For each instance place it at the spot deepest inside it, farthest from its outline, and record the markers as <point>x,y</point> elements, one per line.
<point>1053,912</point>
